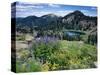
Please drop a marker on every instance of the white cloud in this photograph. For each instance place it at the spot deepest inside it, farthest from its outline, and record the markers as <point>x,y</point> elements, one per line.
<point>88,12</point>
<point>30,6</point>
<point>63,12</point>
<point>84,10</point>
<point>94,8</point>
<point>36,13</point>
<point>54,5</point>
<point>32,13</point>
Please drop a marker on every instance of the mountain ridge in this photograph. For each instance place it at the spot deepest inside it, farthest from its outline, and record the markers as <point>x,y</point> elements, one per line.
<point>75,20</point>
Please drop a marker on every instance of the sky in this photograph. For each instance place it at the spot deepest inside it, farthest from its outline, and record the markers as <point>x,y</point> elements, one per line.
<point>27,9</point>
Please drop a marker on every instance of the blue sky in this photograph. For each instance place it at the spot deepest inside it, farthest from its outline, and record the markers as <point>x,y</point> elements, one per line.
<point>27,9</point>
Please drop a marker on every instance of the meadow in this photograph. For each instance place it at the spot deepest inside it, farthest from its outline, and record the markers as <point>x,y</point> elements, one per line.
<point>51,54</point>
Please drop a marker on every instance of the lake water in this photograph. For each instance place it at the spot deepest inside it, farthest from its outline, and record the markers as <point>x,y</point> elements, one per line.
<point>74,33</point>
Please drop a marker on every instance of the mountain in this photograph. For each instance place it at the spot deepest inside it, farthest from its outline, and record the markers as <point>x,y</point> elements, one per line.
<point>75,20</point>
<point>77,13</point>
<point>78,21</point>
<point>49,16</point>
<point>30,20</point>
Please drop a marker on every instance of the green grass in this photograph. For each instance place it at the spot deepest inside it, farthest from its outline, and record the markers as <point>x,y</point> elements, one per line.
<point>80,55</point>
<point>29,66</point>
<point>68,55</point>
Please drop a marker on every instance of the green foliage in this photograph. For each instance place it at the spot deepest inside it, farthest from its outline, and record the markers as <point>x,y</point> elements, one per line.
<point>70,55</point>
<point>92,39</point>
<point>45,67</point>
<point>28,66</point>
<point>43,51</point>
<point>59,55</point>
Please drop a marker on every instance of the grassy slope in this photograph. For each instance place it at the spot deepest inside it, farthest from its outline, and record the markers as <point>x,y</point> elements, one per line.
<point>79,46</point>
<point>72,55</point>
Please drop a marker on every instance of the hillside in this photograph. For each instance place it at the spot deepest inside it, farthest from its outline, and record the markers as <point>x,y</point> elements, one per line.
<point>75,20</point>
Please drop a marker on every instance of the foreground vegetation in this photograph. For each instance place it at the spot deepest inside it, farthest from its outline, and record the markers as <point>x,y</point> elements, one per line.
<point>57,55</point>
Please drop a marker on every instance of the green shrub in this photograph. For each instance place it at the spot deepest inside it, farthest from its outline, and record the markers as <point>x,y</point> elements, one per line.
<point>28,66</point>
<point>59,55</point>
